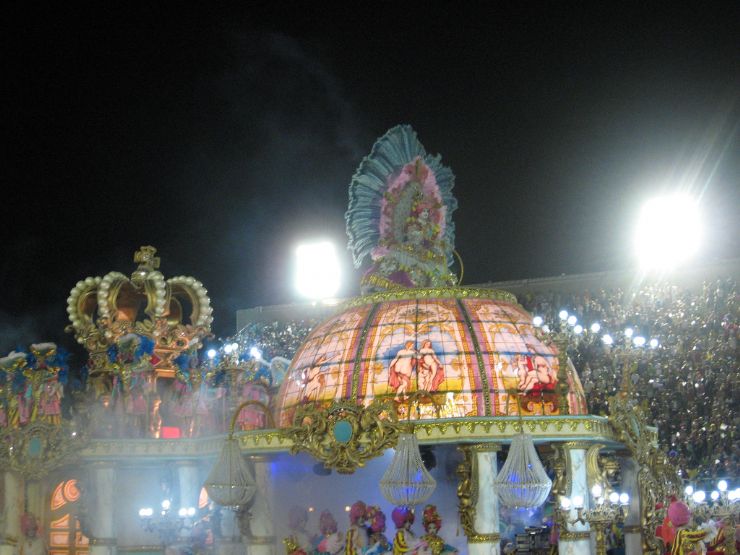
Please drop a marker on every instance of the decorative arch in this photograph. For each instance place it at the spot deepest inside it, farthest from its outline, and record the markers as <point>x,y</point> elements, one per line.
<point>65,536</point>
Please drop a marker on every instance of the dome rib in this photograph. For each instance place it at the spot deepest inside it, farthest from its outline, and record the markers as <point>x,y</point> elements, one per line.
<point>482,370</point>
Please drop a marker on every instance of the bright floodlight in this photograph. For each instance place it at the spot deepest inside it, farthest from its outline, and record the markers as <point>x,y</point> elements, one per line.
<point>668,231</point>
<point>317,271</point>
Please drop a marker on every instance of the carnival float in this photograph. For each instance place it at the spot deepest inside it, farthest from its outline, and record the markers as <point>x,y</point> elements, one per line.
<point>423,416</point>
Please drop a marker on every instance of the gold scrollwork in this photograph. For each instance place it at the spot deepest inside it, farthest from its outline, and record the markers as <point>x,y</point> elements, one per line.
<point>344,435</point>
<point>570,536</point>
<point>435,292</point>
<point>484,538</point>
<point>40,447</point>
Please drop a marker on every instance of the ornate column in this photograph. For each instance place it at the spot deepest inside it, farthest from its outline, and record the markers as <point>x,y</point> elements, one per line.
<point>99,498</point>
<point>189,484</point>
<point>10,517</point>
<point>256,523</point>
<point>575,539</point>
<point>632,527</point>
<point>479,516</point>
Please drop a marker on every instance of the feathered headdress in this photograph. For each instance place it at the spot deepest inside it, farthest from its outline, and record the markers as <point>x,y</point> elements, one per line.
<point>400,214</point>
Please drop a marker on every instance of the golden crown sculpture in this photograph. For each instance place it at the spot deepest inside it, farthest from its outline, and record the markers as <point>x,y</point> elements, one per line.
<point>104,310</point>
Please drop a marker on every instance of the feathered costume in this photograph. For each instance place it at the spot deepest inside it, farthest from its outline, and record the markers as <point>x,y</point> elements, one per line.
<point>400,214</point>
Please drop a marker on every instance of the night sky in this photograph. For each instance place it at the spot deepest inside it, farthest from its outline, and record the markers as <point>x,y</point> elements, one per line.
<point>224,138</point>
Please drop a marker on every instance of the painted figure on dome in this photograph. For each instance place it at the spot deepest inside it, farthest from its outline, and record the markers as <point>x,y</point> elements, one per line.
<point>400,370</point>
<point>378,544</point>
<point>404,541</point>
<point>356,539</point>
<point>314,380</point>
<point>535,374</point>
<point>400,215</point>
<point>431,542</point>
<point>332,541</point>
<point>430,373</point>
<point>32,542</point>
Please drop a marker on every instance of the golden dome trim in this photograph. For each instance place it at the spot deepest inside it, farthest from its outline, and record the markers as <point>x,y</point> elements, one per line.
<point>418,293</point>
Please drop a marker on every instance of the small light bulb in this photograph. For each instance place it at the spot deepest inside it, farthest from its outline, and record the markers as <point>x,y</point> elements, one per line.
<point>607,339</point>
<point>537,321</point>
<point>597,490</point>
<point>614,497</point>
<point>346,508</point>
<point>255,353</point>
<point>624,499</point>
<point>639,341</point>
<point>578,501</point>
<point>546,328</point>
<point>628,332</point>
<point>654,343</point>
<point>699,496</point>
<point>595,327</point>
<point>563,314</point>
<point>191,511</point>
<point>228,349</point>
<point>572,320</point>
<point>166,504</point>
<point>182,513</point>
<point>142,512</point>
<point>722,485</point>
<point>578,329</point>
<point>714,495</point>
<point>689,491</point>
<point>565,503</point>
<point>235,346</point>
<point>211,353</point>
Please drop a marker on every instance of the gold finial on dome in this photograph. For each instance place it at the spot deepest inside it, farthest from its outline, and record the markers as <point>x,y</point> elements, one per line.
<point>175,313</point>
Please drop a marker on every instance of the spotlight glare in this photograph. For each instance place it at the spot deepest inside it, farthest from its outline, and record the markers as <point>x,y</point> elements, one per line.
<point>317,270</point>
<point>668,231</point>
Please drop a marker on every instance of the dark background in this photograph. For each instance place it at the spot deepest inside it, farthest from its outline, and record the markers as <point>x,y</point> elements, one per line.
<point>223,138</point>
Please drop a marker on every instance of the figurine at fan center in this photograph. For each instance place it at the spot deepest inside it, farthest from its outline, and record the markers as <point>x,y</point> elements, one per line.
<point>332,541</point>
<point>400,215</point>
<point>404,541</point>
<point>378,544</point>
<point>356,541</point>
<point>297,521</point>
<point>431,542</point>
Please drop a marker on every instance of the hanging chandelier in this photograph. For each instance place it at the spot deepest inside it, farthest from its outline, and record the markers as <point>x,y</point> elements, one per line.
<point>522,481</point>
<point>230,482</point>
<point>406,481</point>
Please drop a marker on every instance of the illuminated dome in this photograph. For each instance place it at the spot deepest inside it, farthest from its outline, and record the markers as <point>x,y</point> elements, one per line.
<point>475,350</point>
